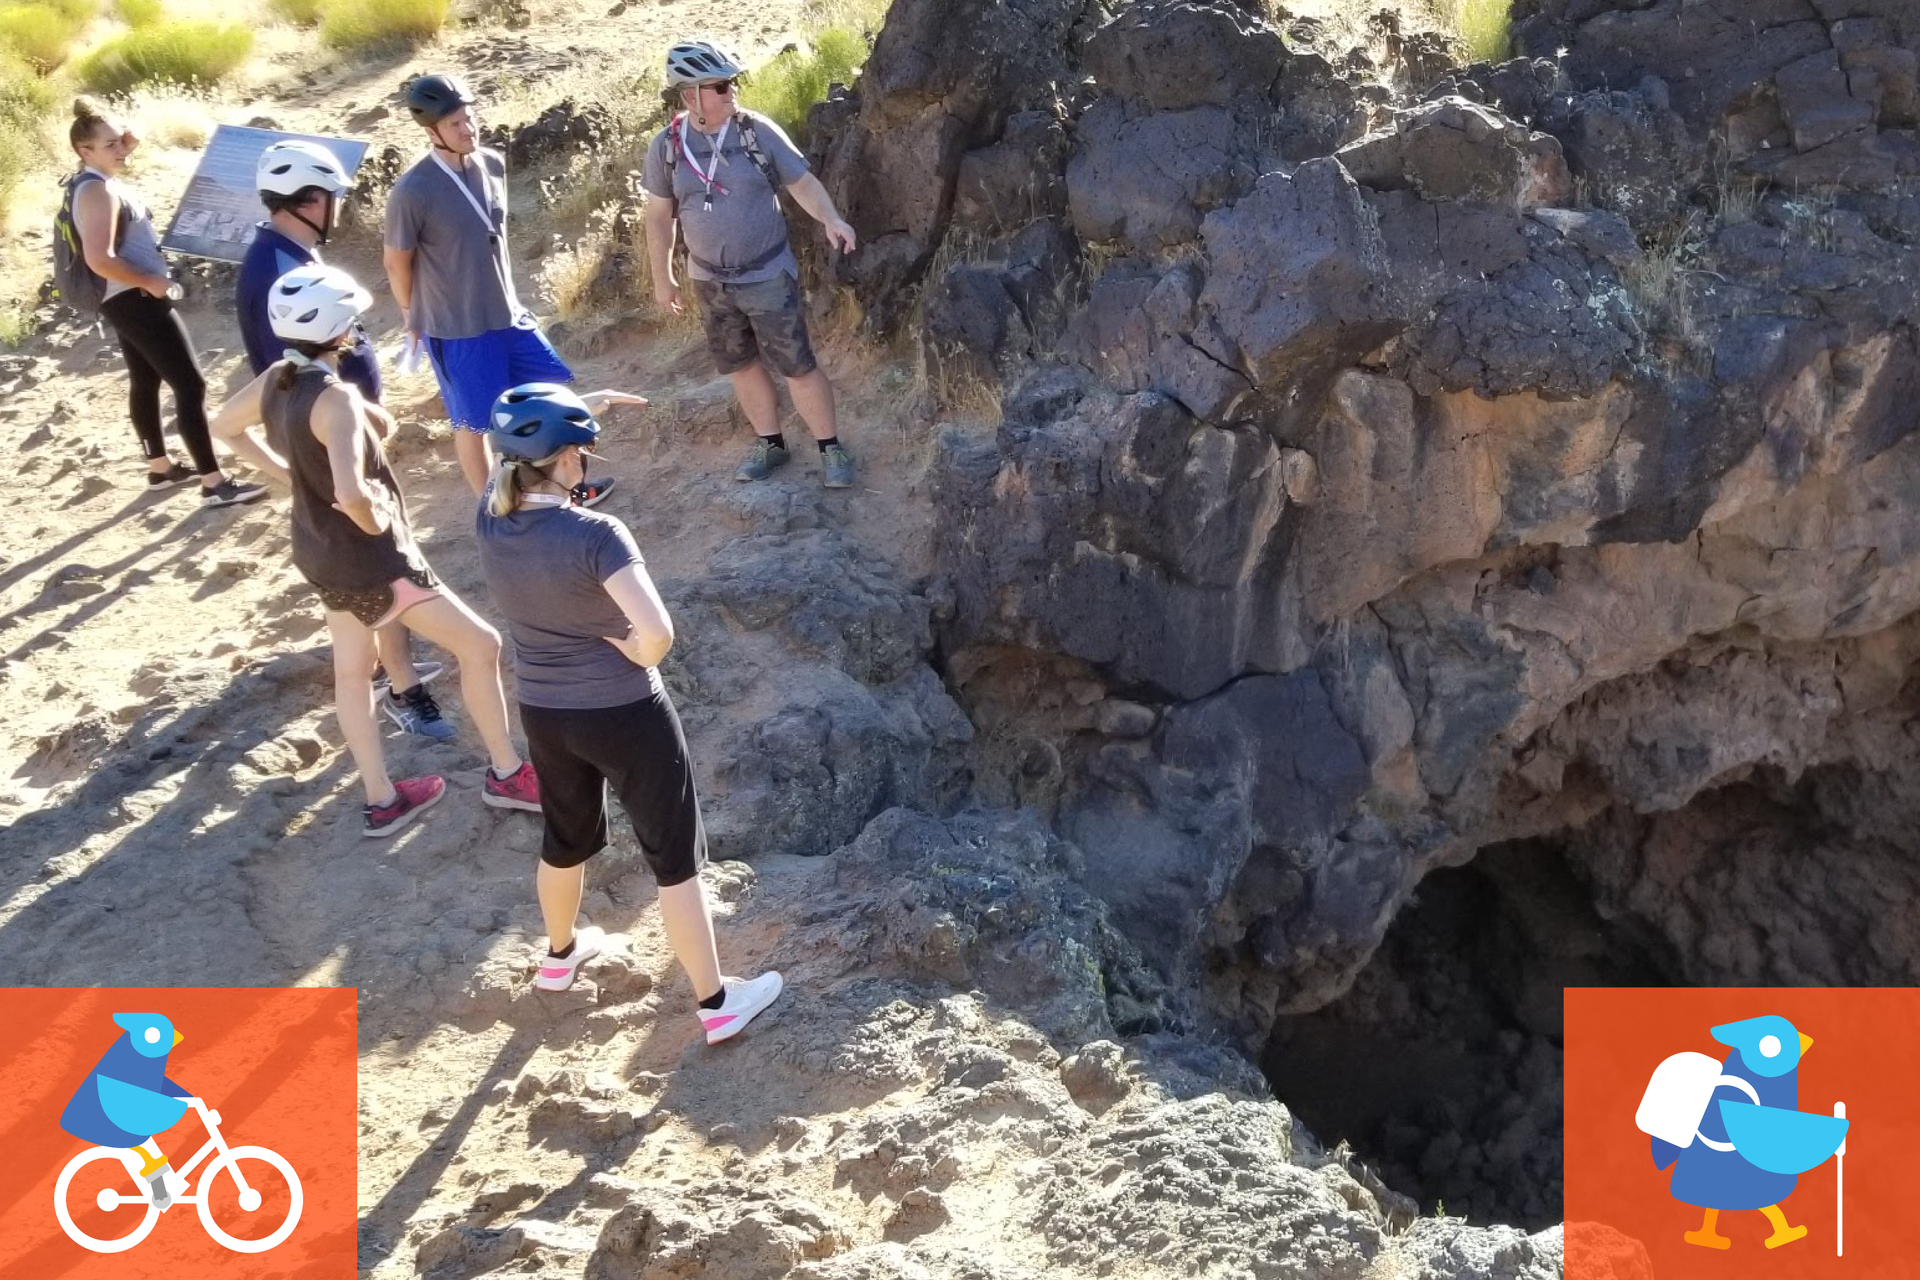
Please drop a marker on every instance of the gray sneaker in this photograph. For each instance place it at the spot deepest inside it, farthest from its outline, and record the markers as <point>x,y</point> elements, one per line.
<point>836,467</point>
<point>762,460</point>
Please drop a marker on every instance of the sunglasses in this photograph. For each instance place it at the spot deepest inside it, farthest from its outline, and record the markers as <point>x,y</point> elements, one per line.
<point>722,87</point>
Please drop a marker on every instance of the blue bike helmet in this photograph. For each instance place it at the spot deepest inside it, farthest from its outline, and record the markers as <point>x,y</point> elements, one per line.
<point>536,420</point>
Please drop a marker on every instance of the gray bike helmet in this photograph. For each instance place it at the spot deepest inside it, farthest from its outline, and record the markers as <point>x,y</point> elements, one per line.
<point>700,62</point>
<point>432,99</point>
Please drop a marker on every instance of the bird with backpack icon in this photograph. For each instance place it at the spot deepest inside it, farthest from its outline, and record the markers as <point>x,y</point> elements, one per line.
<point>1732,1130</point>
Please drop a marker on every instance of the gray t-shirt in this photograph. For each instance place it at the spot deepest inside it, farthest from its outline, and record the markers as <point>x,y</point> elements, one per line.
<point>545,567</point>
<point>743,223</point>
<point>138,246</point>
<point>462,279</point>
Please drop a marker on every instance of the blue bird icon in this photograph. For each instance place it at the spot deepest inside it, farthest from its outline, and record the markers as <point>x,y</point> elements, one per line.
<point>1751,1141</point>
<point>127,1098</point>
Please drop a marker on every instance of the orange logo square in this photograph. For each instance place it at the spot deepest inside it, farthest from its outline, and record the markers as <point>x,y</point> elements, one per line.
<point>1746,1133</point>
<point>171,1132</point>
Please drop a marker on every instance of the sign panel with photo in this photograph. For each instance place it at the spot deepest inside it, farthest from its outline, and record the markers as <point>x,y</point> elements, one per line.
<point>216,216</point>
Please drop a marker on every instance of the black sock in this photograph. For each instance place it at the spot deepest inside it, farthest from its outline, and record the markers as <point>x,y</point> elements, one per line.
<point>828,443</point>
<point>717,999</point>
<point>778,439</point>
<point>562,955</point>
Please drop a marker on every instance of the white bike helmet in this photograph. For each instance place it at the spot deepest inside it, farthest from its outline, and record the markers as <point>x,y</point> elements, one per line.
<point>287,168</point>
<point>315,303</point>
<point>700,62</point>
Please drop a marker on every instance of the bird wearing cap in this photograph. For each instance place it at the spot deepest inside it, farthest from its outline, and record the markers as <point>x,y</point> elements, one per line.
<point>127,1098</point>
<point>1711,1173</point>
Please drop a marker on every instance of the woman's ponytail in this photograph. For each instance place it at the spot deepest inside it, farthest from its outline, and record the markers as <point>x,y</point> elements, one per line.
<point>504,494</point>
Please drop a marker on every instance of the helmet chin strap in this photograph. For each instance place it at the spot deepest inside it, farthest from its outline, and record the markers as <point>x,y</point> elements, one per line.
<point>434,131</point>
<point>320,231</point>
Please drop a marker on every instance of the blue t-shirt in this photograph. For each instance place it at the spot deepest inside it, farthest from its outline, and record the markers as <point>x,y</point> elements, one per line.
<point>270,256</point>
<point>545,568</point>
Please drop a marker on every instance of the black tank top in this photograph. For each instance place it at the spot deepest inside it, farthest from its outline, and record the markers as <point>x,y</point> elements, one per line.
<point>329,549</point>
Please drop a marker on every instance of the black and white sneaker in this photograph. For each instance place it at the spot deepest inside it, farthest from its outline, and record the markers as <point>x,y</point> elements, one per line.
<point>425,670</point>
<point>172,478</point>
<point>231,492</point>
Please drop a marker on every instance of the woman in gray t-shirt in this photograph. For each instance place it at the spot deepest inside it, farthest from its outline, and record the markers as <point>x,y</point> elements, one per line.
<point>588,628</point>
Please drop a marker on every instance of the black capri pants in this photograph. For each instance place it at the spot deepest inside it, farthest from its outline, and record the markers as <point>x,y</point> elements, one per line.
<point>641,751</point>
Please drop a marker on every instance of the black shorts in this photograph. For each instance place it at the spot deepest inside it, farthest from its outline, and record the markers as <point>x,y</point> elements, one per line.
<point>641,751</point>
<point>747,321</point>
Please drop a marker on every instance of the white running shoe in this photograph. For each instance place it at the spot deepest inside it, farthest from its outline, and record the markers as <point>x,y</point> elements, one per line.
<point>557,974</point>
<point>746,997</point>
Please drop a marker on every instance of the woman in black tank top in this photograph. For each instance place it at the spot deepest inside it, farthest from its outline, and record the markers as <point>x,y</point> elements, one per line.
<point>354,545</point>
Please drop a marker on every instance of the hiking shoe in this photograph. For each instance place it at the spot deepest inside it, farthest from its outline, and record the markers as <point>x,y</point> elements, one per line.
<point>518,790</point>
<point>415,711</point>
<point>411,798</point>
<point>172,478</point>
<point>746,997</point>
<point>231,492</point>
<point>836,467</point>
<point>425,670</point>
<point>762,460</point>
<point>593,492</point>
<point>557,974</point>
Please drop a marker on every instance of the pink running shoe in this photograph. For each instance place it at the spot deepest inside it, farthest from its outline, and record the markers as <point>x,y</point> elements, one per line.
<point>411,798</point>
<point>518,790</point>
<point>557,974</point>
<point>746,998</point>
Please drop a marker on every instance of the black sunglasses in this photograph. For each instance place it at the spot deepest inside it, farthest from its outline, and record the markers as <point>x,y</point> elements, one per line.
<point>721,86</point>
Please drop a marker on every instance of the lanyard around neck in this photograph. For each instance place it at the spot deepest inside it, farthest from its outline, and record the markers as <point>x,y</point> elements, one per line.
<point>466,190</point>
<point>712,170</point>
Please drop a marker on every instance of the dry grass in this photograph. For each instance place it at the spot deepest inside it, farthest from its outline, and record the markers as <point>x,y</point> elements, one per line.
<point>25,101</point>
<point>182,53</point>
<point>40,34</point>
<point>172,116</point>
<point>1481,28</point>
<point>301,13</point>
<point>357,24</point>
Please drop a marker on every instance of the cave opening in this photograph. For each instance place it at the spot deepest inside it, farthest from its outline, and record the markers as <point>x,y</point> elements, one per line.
<point>1441,1067</point>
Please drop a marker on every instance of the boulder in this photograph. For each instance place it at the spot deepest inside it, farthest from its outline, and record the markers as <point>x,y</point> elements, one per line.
<point>943,79</point>
<point>1173,55</point>
<point>1146,179</point>
<point>1818,101</point>
<point>1453,149</point>
<point>1635,154</point>
<point>1017,179</point>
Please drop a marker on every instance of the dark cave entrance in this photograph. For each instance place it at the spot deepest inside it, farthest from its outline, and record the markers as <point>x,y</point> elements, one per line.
<point>1441,1067</point>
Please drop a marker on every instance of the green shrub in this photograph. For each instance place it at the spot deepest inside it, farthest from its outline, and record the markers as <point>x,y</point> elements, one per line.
<point>784,88</point>
<point>39,33</point>
<point>139,13</point>
<point>79,12</point>
<point>301,13</point>
<point>349,24</point>
<point>25,100</point>
<point>174,52</point>
<point>1482,28</point>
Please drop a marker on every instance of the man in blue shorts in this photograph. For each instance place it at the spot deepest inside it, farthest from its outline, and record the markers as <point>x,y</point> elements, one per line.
<point>302,185</point>
<point>446,257</point>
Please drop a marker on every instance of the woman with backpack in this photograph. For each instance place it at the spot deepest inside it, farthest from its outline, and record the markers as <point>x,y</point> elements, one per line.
<point>118,246</point>
<point>588,632</point>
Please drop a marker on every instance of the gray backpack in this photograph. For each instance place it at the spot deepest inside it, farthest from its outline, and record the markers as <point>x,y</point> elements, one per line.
<point>74,282</point>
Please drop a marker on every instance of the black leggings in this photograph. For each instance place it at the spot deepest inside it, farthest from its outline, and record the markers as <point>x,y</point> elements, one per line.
<point>641,750</point>
<point>158,349</point>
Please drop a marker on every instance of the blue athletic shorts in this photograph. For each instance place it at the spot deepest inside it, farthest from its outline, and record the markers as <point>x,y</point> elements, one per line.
<point>472,372</point>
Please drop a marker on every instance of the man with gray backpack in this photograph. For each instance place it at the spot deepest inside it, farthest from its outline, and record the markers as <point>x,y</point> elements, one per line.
<point>716,173</point>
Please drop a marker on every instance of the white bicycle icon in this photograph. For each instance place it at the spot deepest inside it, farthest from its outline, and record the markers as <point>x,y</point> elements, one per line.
<point>229,1160</point>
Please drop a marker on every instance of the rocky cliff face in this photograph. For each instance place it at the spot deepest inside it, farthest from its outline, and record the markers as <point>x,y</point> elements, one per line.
<point>1420,462</point>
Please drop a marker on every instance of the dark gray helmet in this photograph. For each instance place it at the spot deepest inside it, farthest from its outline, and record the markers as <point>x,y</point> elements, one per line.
<point>432,99</point>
